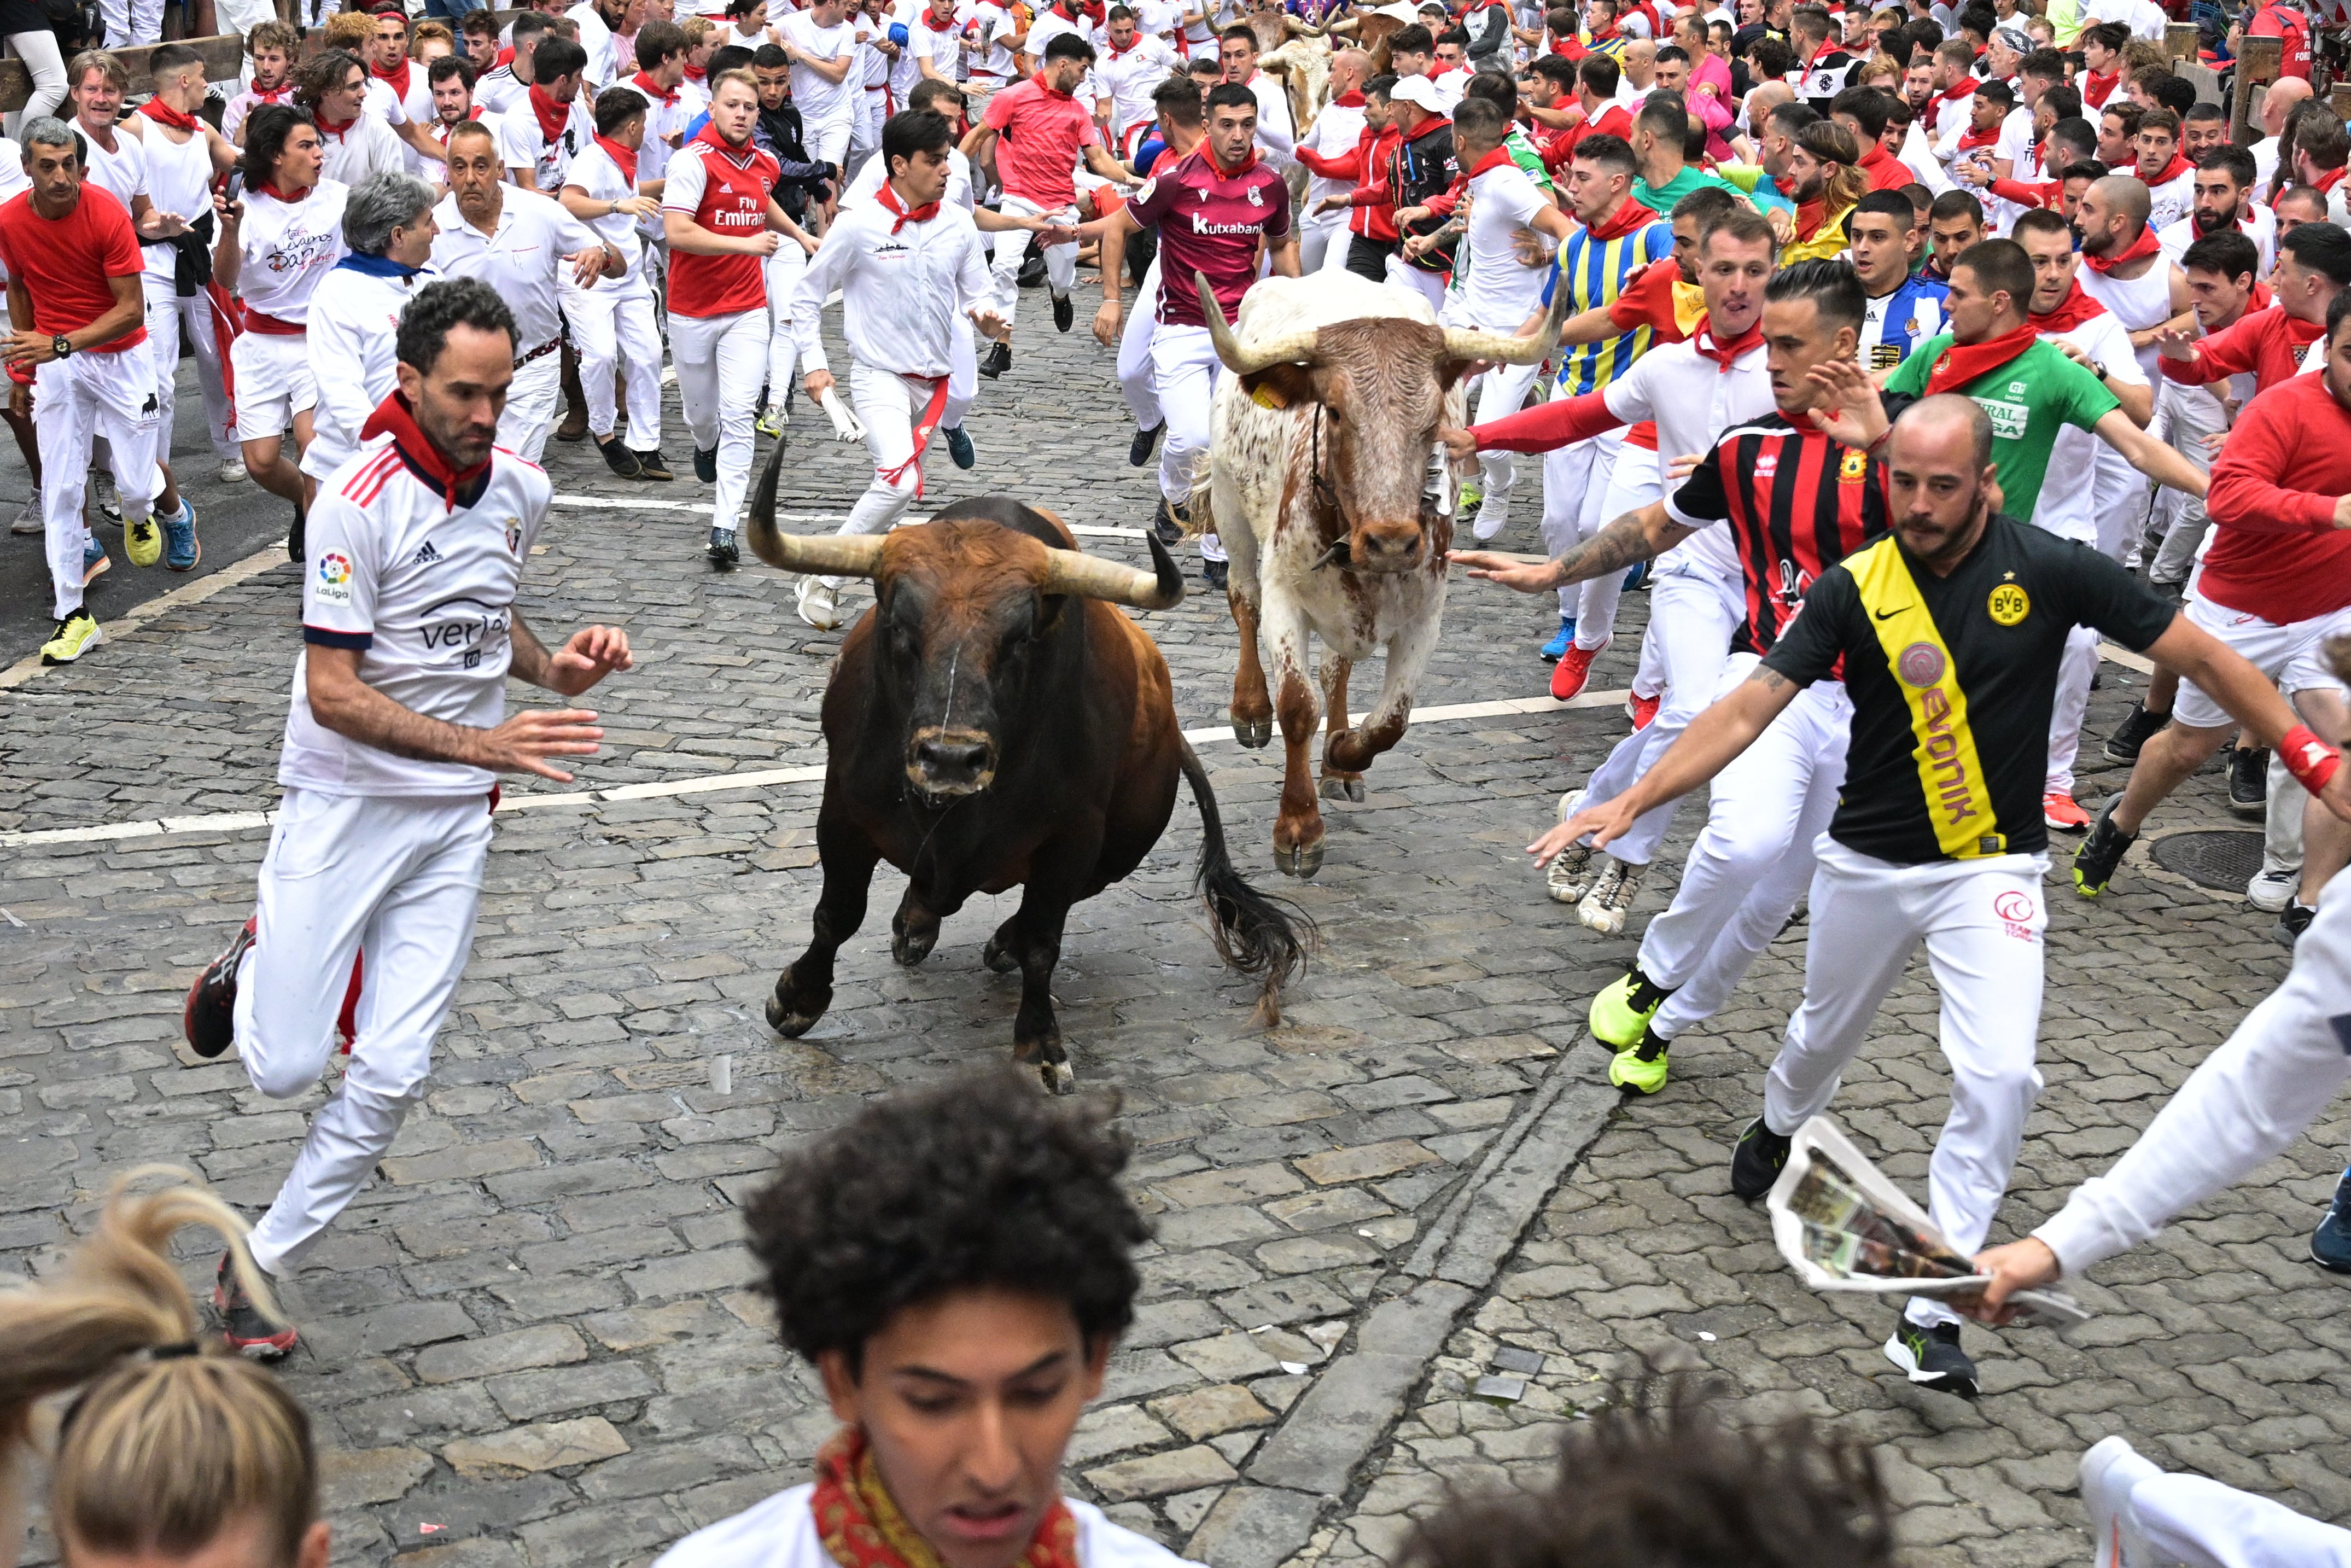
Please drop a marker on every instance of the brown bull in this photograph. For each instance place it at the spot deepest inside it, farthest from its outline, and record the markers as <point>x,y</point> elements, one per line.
<point>993,721</point>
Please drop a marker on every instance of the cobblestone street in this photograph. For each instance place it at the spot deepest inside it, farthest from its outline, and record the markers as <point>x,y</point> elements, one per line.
<point>532,1341</point>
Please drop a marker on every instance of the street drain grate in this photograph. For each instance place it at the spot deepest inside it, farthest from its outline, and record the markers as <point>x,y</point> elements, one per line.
<point>2224,860</point>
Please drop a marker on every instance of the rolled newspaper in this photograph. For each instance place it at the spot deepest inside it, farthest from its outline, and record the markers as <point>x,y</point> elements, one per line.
<point>844,423</point>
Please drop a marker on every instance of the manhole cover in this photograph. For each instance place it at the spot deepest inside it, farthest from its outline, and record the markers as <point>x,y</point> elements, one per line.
<point>2224,860</point>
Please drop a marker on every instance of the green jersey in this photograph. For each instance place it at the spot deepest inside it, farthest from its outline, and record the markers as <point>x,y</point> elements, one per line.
<point>2030,398</point>
<point>1661,199</point>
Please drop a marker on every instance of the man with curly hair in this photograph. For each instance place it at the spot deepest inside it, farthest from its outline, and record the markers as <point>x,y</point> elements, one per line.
<point>957,1263</point>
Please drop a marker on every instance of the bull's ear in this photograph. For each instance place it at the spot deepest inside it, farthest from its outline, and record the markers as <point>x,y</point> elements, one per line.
<point>1279,386</point>
<point>1449,372</point>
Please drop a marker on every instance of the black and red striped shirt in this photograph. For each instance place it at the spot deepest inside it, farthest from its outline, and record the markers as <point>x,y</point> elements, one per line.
<point>1796,501</point>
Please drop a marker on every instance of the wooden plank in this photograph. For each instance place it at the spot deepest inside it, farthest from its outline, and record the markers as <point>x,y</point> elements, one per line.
<point>2181,42</point>
<point>224,58</point>
<point>2260,61</point>
<point>2340,97</point>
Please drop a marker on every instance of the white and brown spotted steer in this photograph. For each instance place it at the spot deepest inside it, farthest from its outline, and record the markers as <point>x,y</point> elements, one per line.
<point>1323,490</point>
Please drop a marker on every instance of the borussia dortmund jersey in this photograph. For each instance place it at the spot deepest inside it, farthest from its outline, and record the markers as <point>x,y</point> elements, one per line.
<point>2030,398</point>
<point>1952,679</point>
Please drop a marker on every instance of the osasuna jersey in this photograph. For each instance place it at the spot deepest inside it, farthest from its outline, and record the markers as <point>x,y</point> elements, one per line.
<point>286,247</point>
<point>425,591</point>
<point>781,1532</point>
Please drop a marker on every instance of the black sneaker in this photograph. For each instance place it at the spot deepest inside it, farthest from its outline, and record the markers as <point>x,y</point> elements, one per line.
<point>1757,1162</point>
<point>1032,268</point>
<point>294,535</point>
<point>2330,1244</point>
<point>998,360</point>
<point>1065,312</point>
<point>1145,442</point>
<point>706,464</point>
<point>1214,572</point>
<point>2293,921</point>
<point>2248,782</point>
<point>723,553</point>
<point>652,466</point>
<point>619,458</point>
<point>1932,1358</point>
<point>2141,727</point>
<point>1164,525</point>
<point>209,1017</point>
<point>2101,853</point>
<point>249,1331</point>
<point>959,448</point>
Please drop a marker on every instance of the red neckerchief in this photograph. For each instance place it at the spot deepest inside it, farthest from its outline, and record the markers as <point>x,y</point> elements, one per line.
<point>1630,216</point>
<point>1603,38</point>
<point>2140,249</point>
<point>1953,94</point>
<point>394,417</point>
<point>624,158</point>
<point>1497,159</point>
<point>396,79</point>
<point>2259,299</point>
<point>2171,170</point>
<point>162,113</point>
<point>2099,87</point>
<point>739,156</point>
<point>2331,178</point>
<point>922,214</point>
<point>643,82</point>
<point>2070,312</point>
<point>552,116</point>
<point>1877,158</point>
<point>277,94</point>
<point>1116,52</point>
<point>1352,99</point>
<point>1208,156</point>
<point>1810,216</point>
<point>861,1527</point>
<point>1828,46</point>
<point>1712,347</point>
<point>503,58</point>
<point>1962,364</point>
<point>697,73</point>
<point>1971,139</point>
<point>328,128</point>
<point>275,194</point>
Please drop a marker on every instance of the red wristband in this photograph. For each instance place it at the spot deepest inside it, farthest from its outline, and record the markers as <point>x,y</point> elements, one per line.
<point>2310,759</point>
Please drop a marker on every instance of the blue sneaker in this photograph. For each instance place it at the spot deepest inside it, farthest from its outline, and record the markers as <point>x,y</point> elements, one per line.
<point>1556,649</point>
<point>959,448</point>
<point>2330,1246</point>
<point>182,549</point>
<point>93,560</point>
<point>1638,577</point>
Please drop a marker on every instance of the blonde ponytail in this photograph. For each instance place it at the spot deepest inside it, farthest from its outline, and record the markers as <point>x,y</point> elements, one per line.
<point>168,1442</point>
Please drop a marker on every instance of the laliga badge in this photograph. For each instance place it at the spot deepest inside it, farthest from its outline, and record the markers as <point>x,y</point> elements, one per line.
<point>2009,604</point>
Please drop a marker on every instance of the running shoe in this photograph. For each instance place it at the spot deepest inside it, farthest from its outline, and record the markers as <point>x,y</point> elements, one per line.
<point>1931,1358</point>
<point>1214,574</point>
<point>575,424</point>
<point>1493,515</point>
<point>998,360</point>
<point>2109,1472</point>
<point>2330,1244</point>
<point>619,458</point>
<point>1622,1011</point>
<point>706,464</point>
<point>1641,710</point>
<point>182,549</point>
<point>1643,1068</point>
<point>74,635</point>
<point>2136,731</point>
<point>232,471</point>
<point>2248,782</point>
<point>95,563</point>
<point>1469,497</point>
<point>1145,442</point>
<point>1757,1162</point>
<point>1573,670</point>
<point>1569,876</point>
<point>103,495</point>
<point>295,535</point>
<point>208,1017</point>
<point>1603,909</point>
<point>2101,853</point>
<point>248,1331</point>
<point>143,542</point>
<point>959,448</point>
<point>2293,921</point>
<point>819,605</point>
<point>652,465</point>
<point>1563,641</point>
<point>29,520</point>
<point>770,423</point>
<point>2272,890</point>
<point>1065,312</point>
<point>2058,810</point>
<point>723,551</point>
<point>1636,577</point>
<point>1163,523</point>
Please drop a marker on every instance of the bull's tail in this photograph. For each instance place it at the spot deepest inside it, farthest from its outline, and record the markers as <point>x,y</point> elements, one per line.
<point>1265,938</point>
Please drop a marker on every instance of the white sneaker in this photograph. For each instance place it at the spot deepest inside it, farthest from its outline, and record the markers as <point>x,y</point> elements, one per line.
<point>2110,1471</point>
<point>1603,909</point>
<point>232,471</point>
<point>1492,513</point>
<point>29,521</point>
<point>102,496</point>
<point>819,605</point>
<point>1569,876</point>
<point>2274,890</point>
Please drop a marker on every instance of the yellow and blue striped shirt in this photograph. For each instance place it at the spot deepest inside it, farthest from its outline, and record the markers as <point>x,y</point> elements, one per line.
<point>1594,272</point>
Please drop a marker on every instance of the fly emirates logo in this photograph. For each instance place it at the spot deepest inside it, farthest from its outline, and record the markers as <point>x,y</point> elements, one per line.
<point>746,212</point>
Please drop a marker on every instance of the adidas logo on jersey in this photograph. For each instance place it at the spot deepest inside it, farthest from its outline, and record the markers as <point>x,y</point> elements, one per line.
<point>426,557</point>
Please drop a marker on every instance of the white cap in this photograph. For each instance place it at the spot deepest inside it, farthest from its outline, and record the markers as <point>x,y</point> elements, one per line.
<point>1416,89</point>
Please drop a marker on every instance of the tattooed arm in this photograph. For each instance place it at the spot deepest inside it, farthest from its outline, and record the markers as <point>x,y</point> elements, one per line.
<point>1634,537</point>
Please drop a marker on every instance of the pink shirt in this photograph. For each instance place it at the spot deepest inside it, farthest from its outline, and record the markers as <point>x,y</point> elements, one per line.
<point>1209,223</point>
<point>1039,137</point>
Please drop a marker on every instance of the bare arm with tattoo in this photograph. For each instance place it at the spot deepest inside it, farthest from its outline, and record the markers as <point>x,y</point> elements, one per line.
<point>1632,538</point>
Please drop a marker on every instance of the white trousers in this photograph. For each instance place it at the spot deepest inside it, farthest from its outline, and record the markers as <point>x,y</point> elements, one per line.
<point>613,329</point>
<point>2282,823</point>
<point>2183,416</point>
<point>2199,1523</point>
<point>169,318</point>
<point>1982,922</point>
<point>1575,489</point>
<point>1501,391</point>
<point>1754,857</point>
<point>828,142</point>
<point>1061,260</point>
<point>1429,285</point>
<point>273,380</point>
<point>1184,373</point>
<point>2076,668</point>
<point>74,399</point>
<point>533,402</point>
<point>720,361</point>
<point>2121,495</point>
<point>1135,366</point>
<point>888,406</point>
<point>1316,237</point>
<point>1693,614</point>
<point>47,65</point>
<point>398,880</point>
<point>129,23</point>
<point>782,271</point>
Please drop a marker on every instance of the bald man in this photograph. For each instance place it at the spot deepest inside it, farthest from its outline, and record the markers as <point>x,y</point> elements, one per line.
<point>2124,270</point>
<point>1322,236</point>
<point>2276,104</point>
<point>1639,64</point>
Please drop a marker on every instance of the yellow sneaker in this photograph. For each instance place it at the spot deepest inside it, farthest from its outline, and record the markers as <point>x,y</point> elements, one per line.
<point>1643,1067</point>
<point>142,541</point>
<point>76,636</point>
<point>1621,1012</point>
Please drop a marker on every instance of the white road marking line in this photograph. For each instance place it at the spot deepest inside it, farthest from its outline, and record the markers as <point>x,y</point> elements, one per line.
<point>203,588</point>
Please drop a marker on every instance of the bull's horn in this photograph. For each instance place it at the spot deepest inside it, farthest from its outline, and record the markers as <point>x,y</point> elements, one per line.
<point>834,555</point>
<point>1091,577</point>
<point>1244,361</point>
<point>1508,348</point>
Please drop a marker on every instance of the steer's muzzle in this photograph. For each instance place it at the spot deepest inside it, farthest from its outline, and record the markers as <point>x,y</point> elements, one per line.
<point>945,765</point>
<point>1385,546</point>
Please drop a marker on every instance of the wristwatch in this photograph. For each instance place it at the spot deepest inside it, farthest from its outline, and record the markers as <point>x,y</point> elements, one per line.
<point>61,345</point>
<point>2098,369</point>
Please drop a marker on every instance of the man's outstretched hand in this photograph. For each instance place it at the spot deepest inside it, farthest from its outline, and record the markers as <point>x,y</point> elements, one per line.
<point>1526,577</point>
<point>1605,823</point>
<point>593,652</point>
<point>1848,408</point>
<point>2020,1266</point>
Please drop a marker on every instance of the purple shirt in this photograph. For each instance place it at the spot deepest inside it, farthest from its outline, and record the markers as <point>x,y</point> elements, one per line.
<point>1209,223</point>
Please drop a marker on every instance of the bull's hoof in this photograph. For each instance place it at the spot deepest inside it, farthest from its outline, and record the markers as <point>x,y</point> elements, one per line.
<point>1252,733</point>
<point>1058,1078</point>
<point>1343,786</point>
<point>910,948</point>
<point>999,954</point>
<point>795,1018</point>
<point>1298,859</point>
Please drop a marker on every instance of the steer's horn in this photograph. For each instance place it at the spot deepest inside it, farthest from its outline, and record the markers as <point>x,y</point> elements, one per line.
<point>1508,348</point>
<point>1091,577</point>
<point>834,555</point>
<point>1244,361</point>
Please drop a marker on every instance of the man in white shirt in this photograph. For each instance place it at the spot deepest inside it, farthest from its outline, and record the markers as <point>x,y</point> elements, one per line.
<point>451,83</point>
<point>598,21</point>
<point>1323,235</point>
<point>355,311</point>
<point>1131,66</point>
<point>396,733</point>
<point>823,47</point>
<point>517,242</point>
<point>501,87</point>
<point>539,136</point>
<point>333,87</point>
<point>989,31</point>
<point>2225,199</point>
<point>612,319</point>
<point>1277,135</point>
<point>934,41</point>
<point>1008,1306</point>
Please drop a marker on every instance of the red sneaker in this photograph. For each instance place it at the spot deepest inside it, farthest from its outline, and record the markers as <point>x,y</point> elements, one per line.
<point>2061,813</point>
<point>1641,709</point>
<point>243,1324</point>
<point>1574,668</point>
<point>208,1018</point>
